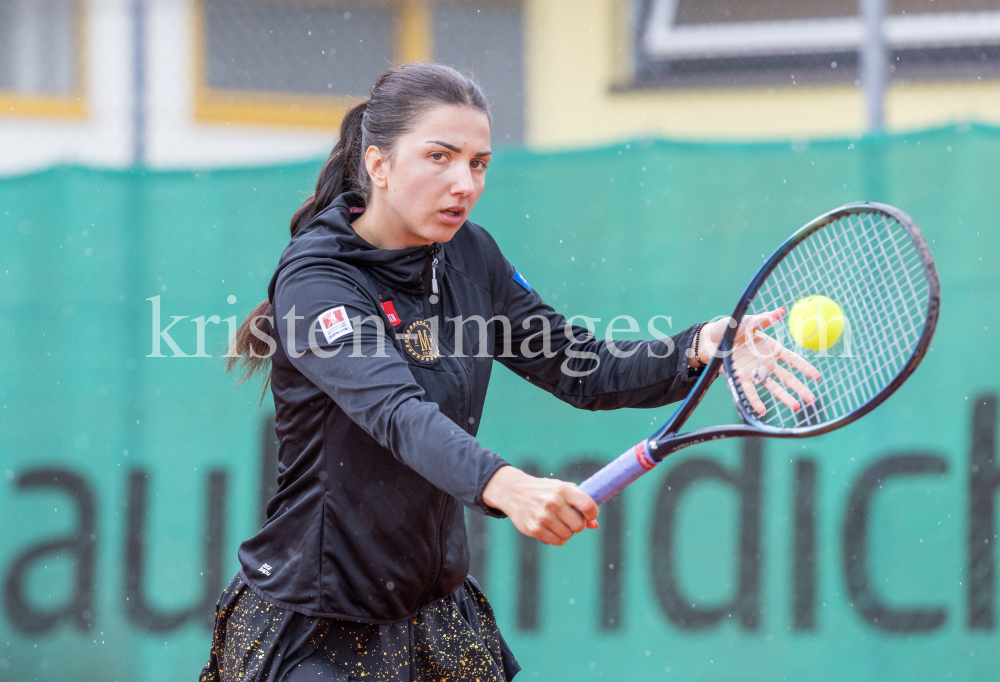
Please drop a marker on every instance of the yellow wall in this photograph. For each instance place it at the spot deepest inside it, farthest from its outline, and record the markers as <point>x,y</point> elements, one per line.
<point>575,54</point>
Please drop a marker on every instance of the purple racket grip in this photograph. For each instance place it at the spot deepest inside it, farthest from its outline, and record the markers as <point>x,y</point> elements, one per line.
<point>610,480</point>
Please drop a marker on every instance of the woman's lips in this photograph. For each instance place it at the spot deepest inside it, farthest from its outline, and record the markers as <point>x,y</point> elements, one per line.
<point>453,215</point>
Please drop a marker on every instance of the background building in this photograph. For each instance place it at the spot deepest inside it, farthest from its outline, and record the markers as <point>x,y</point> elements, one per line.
<point>184,83</point>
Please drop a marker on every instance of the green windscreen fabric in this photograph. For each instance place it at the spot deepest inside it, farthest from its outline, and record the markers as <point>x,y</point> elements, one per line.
<point>133,466</point>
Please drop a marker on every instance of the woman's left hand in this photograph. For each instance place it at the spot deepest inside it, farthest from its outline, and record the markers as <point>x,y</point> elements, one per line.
<point>756,358</point>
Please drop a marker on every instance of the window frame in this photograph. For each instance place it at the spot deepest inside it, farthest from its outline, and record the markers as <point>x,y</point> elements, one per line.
<point>658,42</point>
<point>412,41</point>
<point>73,105</point>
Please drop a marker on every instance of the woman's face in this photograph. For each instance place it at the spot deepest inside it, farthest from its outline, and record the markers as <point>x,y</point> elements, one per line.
<point>434,178</point>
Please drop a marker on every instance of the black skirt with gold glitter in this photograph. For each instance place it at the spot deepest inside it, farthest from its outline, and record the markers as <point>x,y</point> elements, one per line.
<point>452,639</point>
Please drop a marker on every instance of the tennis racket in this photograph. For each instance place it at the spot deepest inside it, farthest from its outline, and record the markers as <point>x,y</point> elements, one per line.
<point>873,261</point>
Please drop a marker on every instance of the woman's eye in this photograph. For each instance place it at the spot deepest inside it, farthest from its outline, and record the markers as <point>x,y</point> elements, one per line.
<point>478,165</point>
<point>438,156</point>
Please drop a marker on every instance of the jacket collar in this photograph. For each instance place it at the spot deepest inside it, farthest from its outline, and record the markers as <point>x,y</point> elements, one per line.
<point>330,235</point>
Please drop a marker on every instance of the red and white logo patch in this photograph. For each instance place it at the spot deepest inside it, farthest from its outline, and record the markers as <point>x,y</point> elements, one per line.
<point>335,324</point>
<point>390,311</point>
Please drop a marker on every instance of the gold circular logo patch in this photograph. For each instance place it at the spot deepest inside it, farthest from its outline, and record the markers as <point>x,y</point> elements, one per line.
<point>418,340</point>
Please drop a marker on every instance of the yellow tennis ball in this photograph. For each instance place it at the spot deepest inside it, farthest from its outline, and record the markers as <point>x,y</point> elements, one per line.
<point>816,322</point>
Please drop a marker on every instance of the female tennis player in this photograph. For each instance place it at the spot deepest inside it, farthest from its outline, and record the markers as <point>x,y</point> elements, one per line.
<point>383,318</point>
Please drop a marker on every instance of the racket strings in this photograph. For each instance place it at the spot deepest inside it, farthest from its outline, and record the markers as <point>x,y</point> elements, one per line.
<point>879,297</point>
<point>883,301</point>
<point>869,265</point>
<point>888,352</point>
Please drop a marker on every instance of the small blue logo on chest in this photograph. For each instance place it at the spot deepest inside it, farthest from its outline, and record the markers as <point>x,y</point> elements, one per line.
<point>519,278</point>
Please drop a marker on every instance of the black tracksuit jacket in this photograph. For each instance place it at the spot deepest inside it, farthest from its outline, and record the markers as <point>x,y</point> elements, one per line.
<point>377,448</point>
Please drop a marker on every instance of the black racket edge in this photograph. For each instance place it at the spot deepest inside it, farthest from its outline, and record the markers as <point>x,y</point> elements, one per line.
<point>666,440</point>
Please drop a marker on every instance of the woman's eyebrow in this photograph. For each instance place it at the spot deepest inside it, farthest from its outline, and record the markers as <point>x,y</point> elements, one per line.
<point>455,149</point>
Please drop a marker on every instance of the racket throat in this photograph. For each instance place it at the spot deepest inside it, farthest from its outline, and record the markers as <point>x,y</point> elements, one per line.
<point>669,443</point>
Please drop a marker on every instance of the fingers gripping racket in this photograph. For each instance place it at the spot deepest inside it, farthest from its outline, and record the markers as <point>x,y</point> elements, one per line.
<point>874,262</point>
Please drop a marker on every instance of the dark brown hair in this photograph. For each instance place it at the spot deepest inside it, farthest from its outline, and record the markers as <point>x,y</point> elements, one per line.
<point>398,99</point>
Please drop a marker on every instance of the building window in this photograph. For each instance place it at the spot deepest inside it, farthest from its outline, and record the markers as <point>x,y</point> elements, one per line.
<point>286,47</point>
<point>290,63</point>
<point>40,58</point>
<point>488,39</point>
<point>305,62</point>
<point>729,42</point>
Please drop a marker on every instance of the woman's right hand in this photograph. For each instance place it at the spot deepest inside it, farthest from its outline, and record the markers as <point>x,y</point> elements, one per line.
<point>541,508</point>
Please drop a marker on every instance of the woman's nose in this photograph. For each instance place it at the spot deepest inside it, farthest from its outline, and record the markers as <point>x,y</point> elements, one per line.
<point>463,185</point>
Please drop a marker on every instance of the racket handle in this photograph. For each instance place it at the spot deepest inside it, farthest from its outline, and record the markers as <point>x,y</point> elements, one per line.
<point>610,480</point>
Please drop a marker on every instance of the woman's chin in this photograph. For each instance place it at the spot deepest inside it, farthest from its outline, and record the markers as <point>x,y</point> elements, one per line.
<point>441,232</point>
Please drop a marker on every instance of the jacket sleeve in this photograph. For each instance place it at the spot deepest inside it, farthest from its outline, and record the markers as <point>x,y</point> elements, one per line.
<point>576,367</point>
<point>371,382</point>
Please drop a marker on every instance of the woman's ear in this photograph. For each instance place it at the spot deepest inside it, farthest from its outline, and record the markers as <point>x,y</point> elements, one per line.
<point>376,165</point>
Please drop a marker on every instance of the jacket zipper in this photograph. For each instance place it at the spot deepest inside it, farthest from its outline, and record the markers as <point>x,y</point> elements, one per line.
<point>442,528</point>
<point>434,264</point>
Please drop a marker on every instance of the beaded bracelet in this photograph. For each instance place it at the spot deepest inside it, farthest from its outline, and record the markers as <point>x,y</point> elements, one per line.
<point>694,346</point>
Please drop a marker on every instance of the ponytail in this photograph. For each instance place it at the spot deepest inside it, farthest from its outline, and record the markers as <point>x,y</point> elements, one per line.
<point>398,97</point>
<point>340,171</point>
<point>253,343</point>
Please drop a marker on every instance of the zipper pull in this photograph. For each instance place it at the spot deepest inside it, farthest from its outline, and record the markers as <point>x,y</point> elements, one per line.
<point>434,264</point>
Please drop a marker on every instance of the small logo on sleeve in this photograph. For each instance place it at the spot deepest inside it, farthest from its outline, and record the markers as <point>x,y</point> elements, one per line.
<point>390,311</point>
<point>335,324</point>
<point>266,569</point>
<point>519,278</point>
